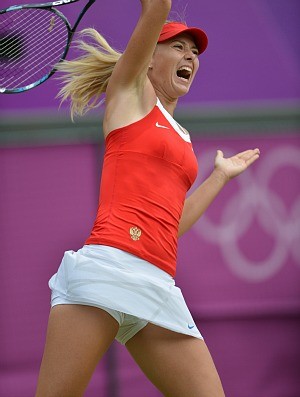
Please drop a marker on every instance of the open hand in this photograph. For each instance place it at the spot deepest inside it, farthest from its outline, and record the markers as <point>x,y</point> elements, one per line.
<point>236,164</point>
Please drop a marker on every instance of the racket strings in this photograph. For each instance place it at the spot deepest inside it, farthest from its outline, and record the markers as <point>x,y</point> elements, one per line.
<point>35,38</point>
<point>32,42</point>
<point>35,59</point>
<point>26,59</point>
<point>34,24</point>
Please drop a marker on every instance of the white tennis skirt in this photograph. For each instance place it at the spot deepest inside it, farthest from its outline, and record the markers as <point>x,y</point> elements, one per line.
<point>107,277</point>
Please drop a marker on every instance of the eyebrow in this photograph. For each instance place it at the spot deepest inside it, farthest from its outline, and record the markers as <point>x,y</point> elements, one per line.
<point>184,43</point>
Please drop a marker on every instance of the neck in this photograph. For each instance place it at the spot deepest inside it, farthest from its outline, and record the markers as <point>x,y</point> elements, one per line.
<point>168,104</point>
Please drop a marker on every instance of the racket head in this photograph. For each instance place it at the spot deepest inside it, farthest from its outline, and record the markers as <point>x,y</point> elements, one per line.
<point>32,41</point>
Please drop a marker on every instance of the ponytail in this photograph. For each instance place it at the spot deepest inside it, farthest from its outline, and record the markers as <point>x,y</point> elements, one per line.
<point>86,78</point>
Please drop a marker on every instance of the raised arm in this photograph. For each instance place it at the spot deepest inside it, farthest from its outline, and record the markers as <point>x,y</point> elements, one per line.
<point>225,169</point>
<point>130,95</point>
<point>131,69</point>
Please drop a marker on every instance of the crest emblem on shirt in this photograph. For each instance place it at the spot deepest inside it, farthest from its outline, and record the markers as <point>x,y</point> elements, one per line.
<point>135,233</point>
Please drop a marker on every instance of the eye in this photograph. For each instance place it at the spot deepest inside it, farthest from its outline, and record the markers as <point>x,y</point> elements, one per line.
<point>178,45</point>
<point>196,52</point>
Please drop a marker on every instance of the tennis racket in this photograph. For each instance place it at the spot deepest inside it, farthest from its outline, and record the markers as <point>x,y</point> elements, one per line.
<point>33,39</point>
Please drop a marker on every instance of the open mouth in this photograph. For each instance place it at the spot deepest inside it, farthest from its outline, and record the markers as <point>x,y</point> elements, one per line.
<point>184,73</point>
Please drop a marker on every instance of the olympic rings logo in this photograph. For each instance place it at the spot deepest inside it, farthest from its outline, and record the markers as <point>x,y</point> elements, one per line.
<point>256,201</point>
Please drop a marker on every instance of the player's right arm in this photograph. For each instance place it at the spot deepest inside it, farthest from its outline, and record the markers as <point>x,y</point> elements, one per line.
<point>130,95</point>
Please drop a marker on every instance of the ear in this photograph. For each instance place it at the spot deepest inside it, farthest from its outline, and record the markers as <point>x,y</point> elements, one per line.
<point>151,64</point>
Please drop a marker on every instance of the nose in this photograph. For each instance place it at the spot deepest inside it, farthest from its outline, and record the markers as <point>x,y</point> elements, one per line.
<point>190,55</point>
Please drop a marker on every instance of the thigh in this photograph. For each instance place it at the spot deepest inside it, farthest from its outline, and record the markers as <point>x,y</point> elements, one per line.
<point>178,365</point>
<point>77,338</point>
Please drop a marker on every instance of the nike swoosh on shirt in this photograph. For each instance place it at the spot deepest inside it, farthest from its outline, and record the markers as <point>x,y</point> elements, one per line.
<point>161,126</point>
<point>190,326</point>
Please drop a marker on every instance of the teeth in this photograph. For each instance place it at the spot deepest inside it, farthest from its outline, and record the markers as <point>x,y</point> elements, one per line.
<point>187,68</point>
<point>184,72</point>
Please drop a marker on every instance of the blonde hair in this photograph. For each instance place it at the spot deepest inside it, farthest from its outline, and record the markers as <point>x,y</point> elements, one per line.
<point>86,78</point>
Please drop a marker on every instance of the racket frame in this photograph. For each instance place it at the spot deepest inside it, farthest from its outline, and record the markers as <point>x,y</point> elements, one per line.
<point>71,30</point>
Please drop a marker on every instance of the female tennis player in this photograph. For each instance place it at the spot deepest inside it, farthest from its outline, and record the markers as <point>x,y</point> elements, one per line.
<point>121,283</point>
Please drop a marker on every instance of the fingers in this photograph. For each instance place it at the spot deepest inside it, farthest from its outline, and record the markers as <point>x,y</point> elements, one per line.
<point>247,154</point>
<point>220,153</point>
<point>246,157</point>
<point>251,160</point>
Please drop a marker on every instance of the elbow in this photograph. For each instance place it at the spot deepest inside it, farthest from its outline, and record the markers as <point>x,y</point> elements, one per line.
<point>165,3</point>
<point>181,230</point>
<point>161,3</point>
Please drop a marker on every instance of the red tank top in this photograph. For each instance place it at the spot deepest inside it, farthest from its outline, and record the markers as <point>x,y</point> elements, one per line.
<point>148,168</point>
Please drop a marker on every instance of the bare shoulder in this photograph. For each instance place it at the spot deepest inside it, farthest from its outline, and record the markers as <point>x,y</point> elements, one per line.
<point>130,94</point>
<point>126,106</point>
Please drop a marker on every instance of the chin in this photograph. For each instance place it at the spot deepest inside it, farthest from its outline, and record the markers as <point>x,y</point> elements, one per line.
<point>183,91</point>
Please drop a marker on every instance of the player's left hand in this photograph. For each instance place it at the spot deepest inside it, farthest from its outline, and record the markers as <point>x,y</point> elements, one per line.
<point>236,164</point>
